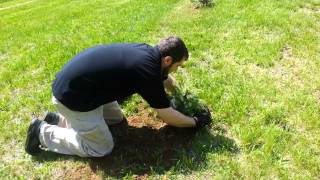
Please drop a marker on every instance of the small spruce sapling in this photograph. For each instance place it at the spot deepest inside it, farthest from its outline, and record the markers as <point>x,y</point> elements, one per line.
<point>186,103</point>
<point>202,3</point>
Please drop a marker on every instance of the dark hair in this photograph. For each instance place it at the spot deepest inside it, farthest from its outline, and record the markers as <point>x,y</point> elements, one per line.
<point>173,46</point>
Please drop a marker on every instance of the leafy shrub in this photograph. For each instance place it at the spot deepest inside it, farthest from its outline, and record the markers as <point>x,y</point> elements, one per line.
<point>186,103</point>
<point>202,3</point>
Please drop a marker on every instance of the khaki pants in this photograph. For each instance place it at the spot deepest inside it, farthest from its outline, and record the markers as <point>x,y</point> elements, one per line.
<point>85,134</point>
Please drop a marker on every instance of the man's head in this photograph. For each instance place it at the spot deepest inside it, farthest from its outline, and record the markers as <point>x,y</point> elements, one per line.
<point>173,53</point>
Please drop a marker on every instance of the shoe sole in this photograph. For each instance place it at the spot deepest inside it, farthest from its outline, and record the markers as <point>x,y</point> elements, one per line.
<point>32,141</point>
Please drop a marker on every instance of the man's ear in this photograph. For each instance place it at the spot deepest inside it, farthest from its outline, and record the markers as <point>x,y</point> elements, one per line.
<point>167,61</point>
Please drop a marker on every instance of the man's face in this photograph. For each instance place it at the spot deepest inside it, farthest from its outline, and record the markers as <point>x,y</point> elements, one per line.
<point>174,67</point>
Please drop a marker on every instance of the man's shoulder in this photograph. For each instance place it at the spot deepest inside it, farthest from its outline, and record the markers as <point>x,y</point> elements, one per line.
<point>128,45</point>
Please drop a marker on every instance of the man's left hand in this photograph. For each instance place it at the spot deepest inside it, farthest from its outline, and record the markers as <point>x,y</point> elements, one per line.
<point>203,118</point>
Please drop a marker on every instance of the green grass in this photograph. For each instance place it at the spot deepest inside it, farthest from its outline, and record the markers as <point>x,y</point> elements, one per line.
<point>254,62</point>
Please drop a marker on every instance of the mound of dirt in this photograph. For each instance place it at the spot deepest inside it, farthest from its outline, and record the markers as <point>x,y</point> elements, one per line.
<point>77,173</point>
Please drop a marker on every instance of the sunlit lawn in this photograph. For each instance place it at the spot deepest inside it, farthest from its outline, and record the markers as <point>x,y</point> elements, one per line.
<point>255,63</point>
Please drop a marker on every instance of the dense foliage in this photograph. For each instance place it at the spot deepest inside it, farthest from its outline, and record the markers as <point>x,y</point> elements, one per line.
<point>186,102</point>
<point>202,3</point>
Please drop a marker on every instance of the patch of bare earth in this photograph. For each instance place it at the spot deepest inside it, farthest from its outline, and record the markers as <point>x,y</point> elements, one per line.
<point>77,173</point>
<point>289,66</point>
<point>288,71</point>
<point>296,72</point>
<point>311,9</point>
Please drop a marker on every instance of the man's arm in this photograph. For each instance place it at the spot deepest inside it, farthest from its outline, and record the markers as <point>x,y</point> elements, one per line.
<point>175,118</point>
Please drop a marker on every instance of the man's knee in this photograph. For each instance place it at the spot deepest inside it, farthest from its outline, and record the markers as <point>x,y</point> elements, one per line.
<point>97,142</point>
<point>112,113</point>
<point>98,151</point>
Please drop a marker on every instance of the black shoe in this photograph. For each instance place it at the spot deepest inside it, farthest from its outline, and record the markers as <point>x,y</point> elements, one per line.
<point>32,141</point>
<point>52,118</point>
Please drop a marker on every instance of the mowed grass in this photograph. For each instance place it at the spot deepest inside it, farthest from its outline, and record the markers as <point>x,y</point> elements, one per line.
<point>254,62</point>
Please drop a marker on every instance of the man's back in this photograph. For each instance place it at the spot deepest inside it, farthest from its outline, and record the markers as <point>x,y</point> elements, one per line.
<point>106,73</point>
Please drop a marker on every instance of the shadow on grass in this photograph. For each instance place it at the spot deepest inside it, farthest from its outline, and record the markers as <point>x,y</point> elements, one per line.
<point>143,151</point>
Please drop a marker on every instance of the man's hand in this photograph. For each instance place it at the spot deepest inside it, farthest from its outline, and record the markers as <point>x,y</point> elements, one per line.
<point>203,118</point>
<point>175,118</point>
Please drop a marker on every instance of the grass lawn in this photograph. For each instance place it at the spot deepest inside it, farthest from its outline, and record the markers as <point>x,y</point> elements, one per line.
<point>254,62</point>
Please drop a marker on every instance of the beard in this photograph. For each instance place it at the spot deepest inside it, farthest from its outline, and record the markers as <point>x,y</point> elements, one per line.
<point>166,71</point>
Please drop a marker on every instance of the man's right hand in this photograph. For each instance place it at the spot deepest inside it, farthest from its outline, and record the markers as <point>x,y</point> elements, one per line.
<point>203,118</point>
